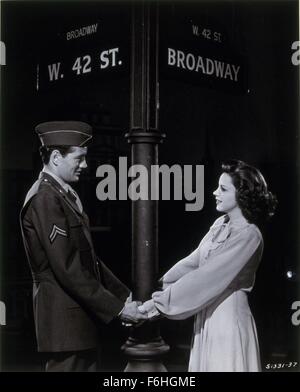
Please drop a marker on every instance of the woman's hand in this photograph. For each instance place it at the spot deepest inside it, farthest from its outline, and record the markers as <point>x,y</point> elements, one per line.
<point>148,308</point>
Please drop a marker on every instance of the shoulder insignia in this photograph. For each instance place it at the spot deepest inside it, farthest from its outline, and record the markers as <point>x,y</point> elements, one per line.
<point>56,231</point>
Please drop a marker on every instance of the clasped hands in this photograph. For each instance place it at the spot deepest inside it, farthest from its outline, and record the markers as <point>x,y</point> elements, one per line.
<point>135,313</point>
<point>131,315</point>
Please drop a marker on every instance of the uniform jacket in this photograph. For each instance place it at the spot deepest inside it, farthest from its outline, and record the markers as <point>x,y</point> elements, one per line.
<point>72,289</point>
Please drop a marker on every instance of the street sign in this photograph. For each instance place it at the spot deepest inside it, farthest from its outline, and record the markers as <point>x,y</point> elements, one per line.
<point>83,54</point>
<point>198,50</point>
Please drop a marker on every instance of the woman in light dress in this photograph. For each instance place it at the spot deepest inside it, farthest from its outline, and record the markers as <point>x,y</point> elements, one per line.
<point>213,282</point>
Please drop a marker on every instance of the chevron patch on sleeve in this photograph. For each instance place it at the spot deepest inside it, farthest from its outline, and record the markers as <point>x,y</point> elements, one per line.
<point>55,232</point>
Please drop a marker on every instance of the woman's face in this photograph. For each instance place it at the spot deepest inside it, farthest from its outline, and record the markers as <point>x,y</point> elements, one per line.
<point>226,194</point>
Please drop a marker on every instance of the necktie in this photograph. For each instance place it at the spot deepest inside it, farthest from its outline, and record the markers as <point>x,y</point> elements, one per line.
<point>73,195</point>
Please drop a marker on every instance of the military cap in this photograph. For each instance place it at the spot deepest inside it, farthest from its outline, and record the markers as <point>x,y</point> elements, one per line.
<point>64,133</point>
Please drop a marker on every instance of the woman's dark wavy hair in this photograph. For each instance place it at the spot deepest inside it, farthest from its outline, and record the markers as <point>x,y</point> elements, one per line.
<point>256,202</point>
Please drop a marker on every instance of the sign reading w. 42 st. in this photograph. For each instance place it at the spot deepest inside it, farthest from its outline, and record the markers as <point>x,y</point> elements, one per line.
<point>84,64</point>
<point>82,54</point>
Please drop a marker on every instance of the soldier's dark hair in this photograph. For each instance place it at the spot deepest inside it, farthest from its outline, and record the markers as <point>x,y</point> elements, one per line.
<point>257,203</point>
<point>45,152</point>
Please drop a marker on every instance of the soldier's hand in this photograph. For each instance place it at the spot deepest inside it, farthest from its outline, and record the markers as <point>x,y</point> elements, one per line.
<point>131,315</point>
<point>129,299</point>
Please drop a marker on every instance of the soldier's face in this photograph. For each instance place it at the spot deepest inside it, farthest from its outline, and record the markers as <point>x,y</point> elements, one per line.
<point>71,165</point>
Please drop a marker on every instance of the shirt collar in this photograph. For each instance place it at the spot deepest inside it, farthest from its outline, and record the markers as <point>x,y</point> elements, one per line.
<point>238,222</point>
<point>61,182</point>
<point>224,220</point>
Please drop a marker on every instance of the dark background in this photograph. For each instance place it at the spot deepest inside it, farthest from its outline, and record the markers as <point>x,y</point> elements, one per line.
<point>204,124</point>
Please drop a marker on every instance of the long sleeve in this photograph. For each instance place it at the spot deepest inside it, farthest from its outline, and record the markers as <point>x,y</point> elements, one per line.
<point>189,263</point>
<point>112,283</point>
<point>64,256</point>
<point>196,289</point>
<point>182,267</point>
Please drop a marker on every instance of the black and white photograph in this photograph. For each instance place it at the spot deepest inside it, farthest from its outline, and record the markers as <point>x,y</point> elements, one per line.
<point>150,187</point>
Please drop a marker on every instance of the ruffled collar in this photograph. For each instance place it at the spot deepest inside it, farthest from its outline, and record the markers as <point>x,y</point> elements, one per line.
<point>221,230</point>
<point>225,220</point>
<point>223,226</point>
<point>238,222</point>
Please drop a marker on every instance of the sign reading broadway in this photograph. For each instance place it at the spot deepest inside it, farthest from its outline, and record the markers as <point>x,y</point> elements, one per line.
<point>198,64</point>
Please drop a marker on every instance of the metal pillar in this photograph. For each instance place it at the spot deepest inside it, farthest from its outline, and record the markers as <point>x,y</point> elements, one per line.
<point>144,347</point>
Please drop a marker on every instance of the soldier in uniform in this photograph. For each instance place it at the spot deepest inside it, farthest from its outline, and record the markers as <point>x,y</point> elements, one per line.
<point>72,288</point>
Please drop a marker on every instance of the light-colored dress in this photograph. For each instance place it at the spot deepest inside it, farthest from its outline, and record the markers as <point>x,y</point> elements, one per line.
<point>212,283</point>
